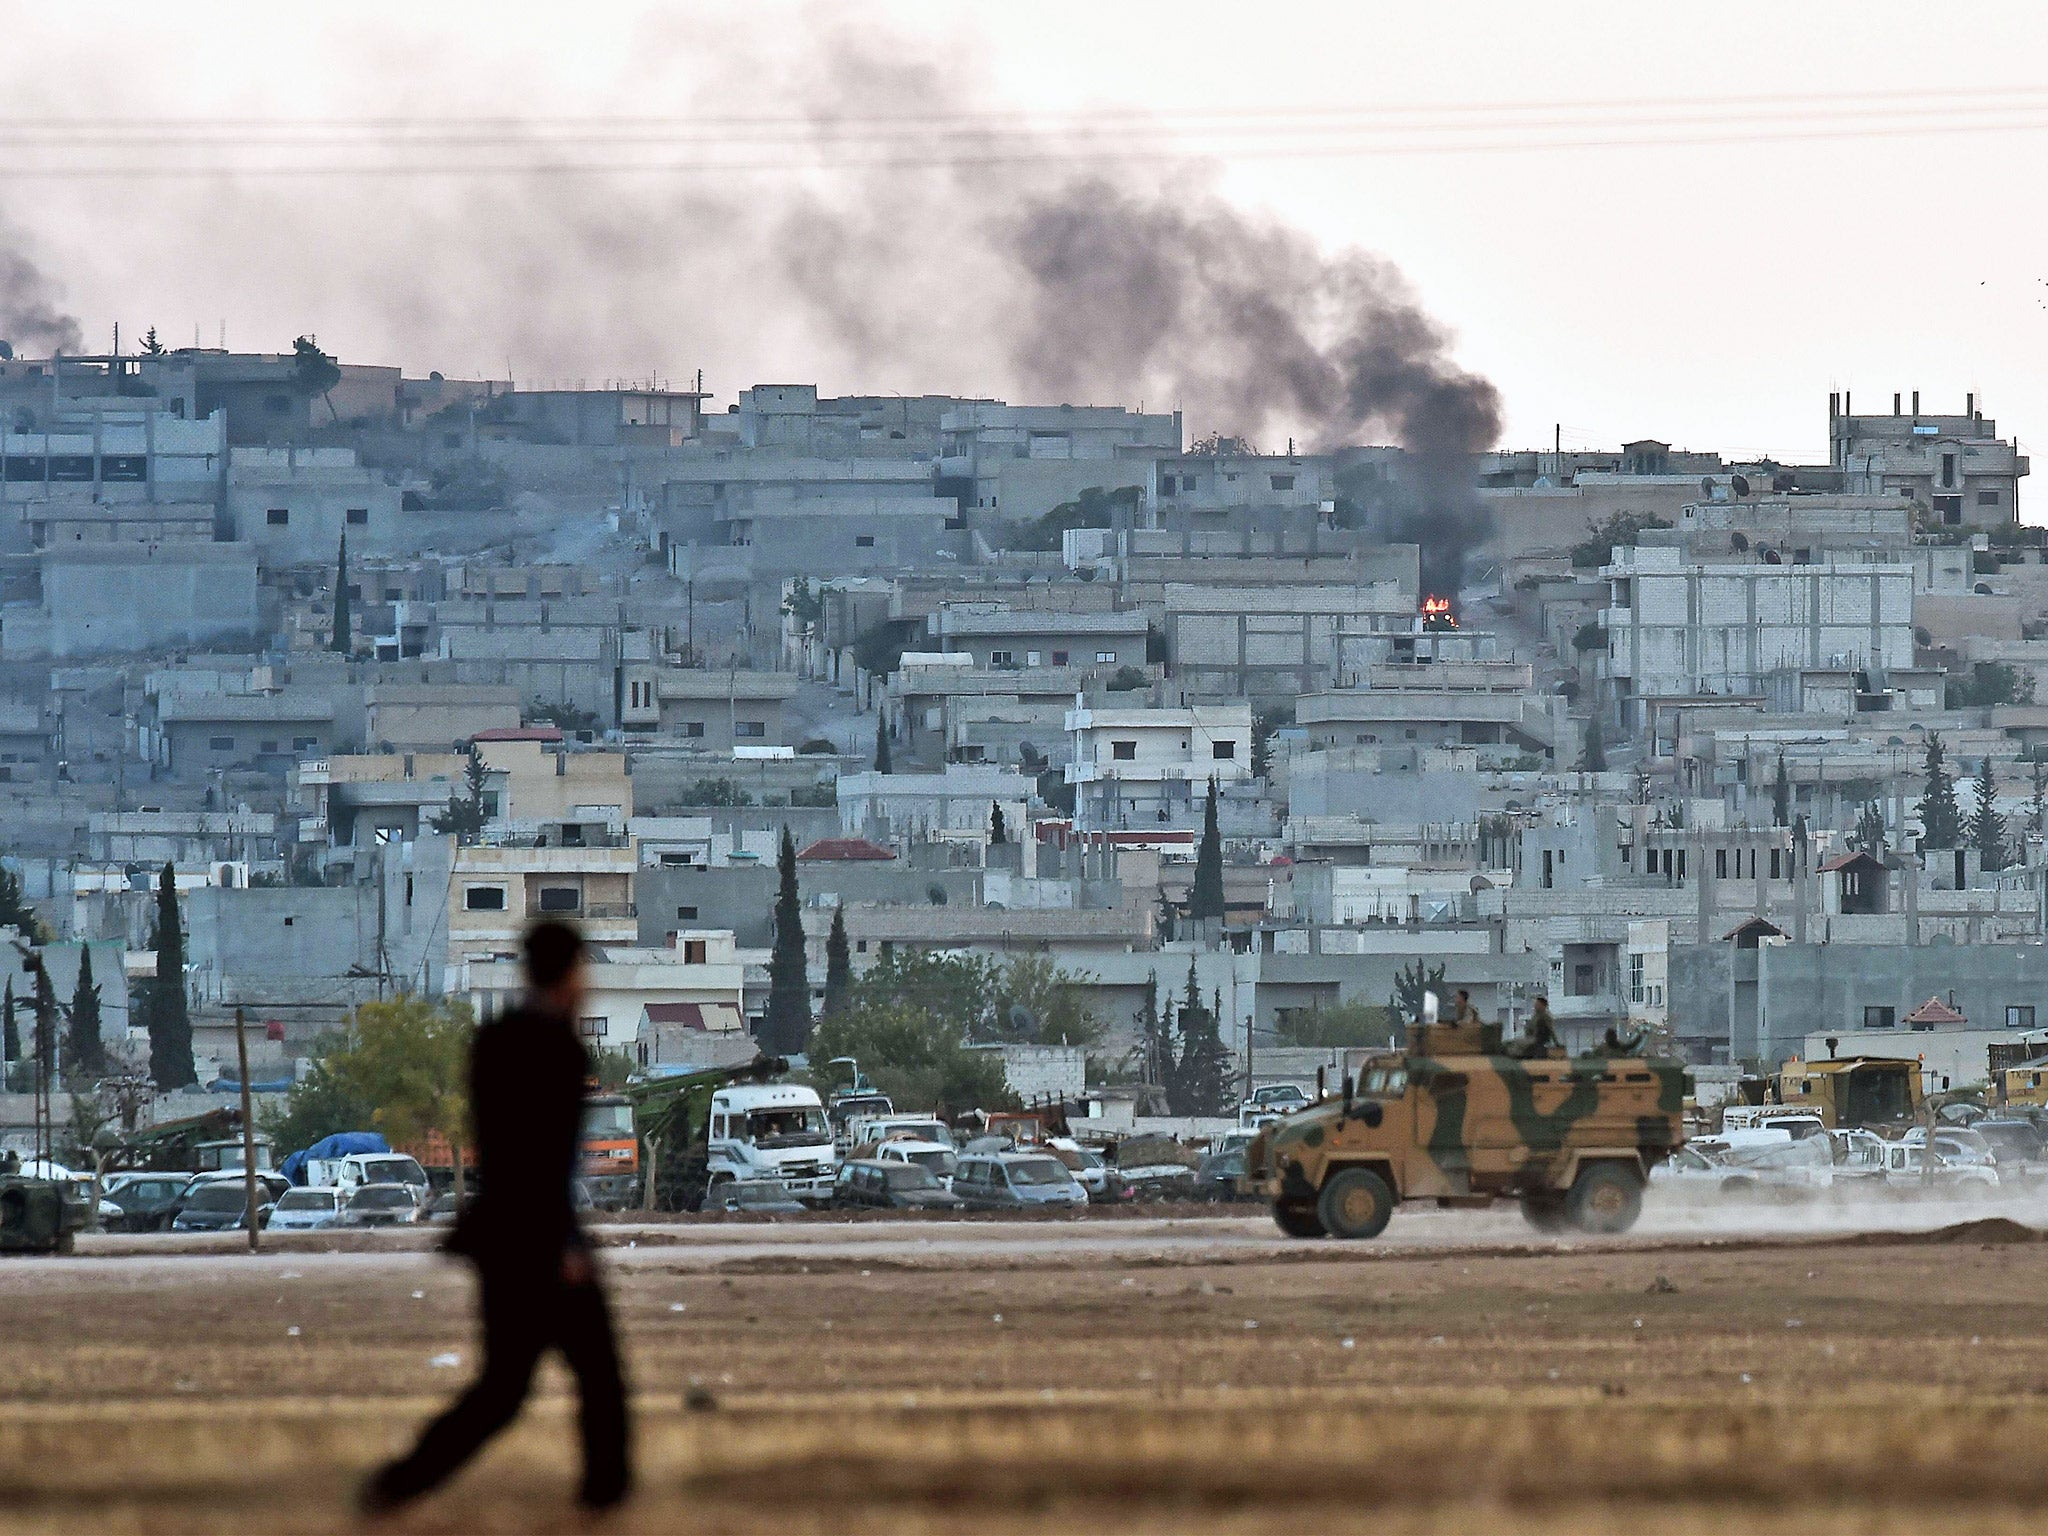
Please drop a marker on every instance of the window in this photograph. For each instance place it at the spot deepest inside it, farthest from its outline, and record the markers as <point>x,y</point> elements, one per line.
<point>1105,655</point>
<point>1033,659</point>
<point>560,898</point>
<point>278,517</point>
<point>1635,978</point>
<point>305,743</point>
<point>1948,470</point>
<point>1283,482</point>
<point>686,914</point>
<point>1949,509</point>
<point>484,898</point>
<point>693,728</point>
<point>2019,1017</point>
<point>1720,863</point>
<point>1879,1018</point>
<point>750,729</point>
<point>694,951</point>
<point>1223,751</point>
<point>1123,751</point>
<point>1774,864</point>
<point>358,516</point>
<point>863,541</point>
<point>1059,658</point>
<point>1987,498</point>
<point>1002,658</point>
<point>591,1026</point>
<point>220,743</point>
<point>1166,485</point>
<point>266,748</point>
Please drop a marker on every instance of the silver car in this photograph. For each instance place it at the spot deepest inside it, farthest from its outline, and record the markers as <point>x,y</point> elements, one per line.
<point>306,1210</point>
<point>1016,1181</point>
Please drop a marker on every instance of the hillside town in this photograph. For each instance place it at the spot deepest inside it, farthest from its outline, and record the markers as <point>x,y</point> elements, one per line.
<point>341,676</point>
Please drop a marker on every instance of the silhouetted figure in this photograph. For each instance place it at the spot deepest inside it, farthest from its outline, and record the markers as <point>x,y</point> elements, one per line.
<point>1540,1038</point>
<point>539,1282</point>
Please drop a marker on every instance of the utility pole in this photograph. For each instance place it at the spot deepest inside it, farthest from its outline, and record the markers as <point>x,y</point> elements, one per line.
<point>248,1134</point>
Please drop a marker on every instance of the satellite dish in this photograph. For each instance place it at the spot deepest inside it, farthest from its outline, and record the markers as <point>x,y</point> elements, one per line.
<point>1022,1020</point>
<point>1741,485</point>
<point>1706,485</point>
<point>1738,541</point>
<point>1772,557</point>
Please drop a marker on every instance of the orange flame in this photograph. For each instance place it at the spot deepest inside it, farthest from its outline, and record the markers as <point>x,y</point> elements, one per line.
<point>1434,605</point>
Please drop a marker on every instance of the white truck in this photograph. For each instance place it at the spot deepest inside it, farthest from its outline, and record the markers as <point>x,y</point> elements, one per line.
<point>346,1173</point>
<point>772,1131</point>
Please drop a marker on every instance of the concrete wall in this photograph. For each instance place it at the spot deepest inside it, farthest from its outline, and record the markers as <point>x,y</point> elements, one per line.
<point>114,599</point>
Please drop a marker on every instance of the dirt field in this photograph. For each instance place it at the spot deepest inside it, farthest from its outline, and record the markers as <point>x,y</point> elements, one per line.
<point>1137,1375</point>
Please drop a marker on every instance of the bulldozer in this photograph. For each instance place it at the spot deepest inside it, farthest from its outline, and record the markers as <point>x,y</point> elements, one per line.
<point>1458,1119</point>
<point>671,1120</point>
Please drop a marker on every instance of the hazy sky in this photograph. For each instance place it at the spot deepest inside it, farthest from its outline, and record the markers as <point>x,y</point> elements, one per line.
<point>1710,293</point>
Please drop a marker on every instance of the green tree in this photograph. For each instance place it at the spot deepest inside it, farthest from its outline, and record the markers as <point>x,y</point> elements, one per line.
<point>88,1054</point>
<point>10,1032</point>
<point>467,812</point>
<point>151,346</point>
<point>2037,802</point>
<point>1410,982</point>
<point>170,1022</point>
<point>1205,1069</point>
<point>838,962</point>
<point>1035,1002</point>
<point>1594,757</point>
<point>998,831</point>
<point>314,373</point>
<point>882,746</point>
<point>879,648</point>
<point>1940,821</point>
<point>1986,829</point>
<point>1990,683</point>
<point>1781,796</point>
<point>787,1024</point>
<point>409,1060</point>
<point>1152,1036</point>
<point>1341,1024</point>
<point>915,1056</point>
<point>1623,528</point>
<point>1870,830</point>
<point>15,912</point>
<point>339,640</point>
<point>319,1104</point>
<point>1205,899</point>
<point>44,1012</point>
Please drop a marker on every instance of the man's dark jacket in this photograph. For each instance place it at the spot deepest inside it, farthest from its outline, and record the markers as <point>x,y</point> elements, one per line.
<point>526,1078</point>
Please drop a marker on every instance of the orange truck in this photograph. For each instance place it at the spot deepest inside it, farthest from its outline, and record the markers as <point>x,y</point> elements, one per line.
<point>611,1152</point>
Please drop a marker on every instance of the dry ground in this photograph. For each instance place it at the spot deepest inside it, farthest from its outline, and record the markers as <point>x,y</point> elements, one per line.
<point>1038,1383</point>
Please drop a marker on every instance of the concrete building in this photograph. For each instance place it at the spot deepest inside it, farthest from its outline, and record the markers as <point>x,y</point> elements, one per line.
<point>708,710</point>
<point>1507,727</point>
<point>1678,628</point>
<point>202,734</point>
<point>1187,490</point>
<point>639,1000</point>
<point>1001,638</point>
<point>1020,461</point>
<point>113,470</point>
<point>293,505</point>
<point>412,717</point>
<point>1956,467</point>
<point>606,417</point>
<point>131,599</point>
<point>954,803</point>
<point>1153,764</point>
<point>1234,642</point>
<point>498,889</point>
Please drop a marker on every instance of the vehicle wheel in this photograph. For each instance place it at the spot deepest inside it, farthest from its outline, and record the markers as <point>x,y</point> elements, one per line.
<point>1545,1212</point>
<point>1605,1199</point>
<point>1355,1203</point>
<point>1298,1220</point>
<point>67,1241</point>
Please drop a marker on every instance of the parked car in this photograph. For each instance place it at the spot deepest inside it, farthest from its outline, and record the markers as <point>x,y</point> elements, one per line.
<point>443,1210</point>
<point>380,1205</point>
<point>306,1210</point>
<point>1905,1170</point>
<point>1282,1098</point>
<point>2015,1144</point>
<point>872,1184</point>
<point>1156,1167</point>
<point>753,1197</point>
<point>1016,1181</point>
<point>148,1201</point>
<point>1102,1182</point>
<point>937,1158</point>
<point>1216,1178</point>
<point>1791,1169</point>
<point>219,1205</point>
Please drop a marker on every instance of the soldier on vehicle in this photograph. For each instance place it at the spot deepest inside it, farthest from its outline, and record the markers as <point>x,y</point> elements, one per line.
<point>1541,1035</point>
<point>1465,1013</point>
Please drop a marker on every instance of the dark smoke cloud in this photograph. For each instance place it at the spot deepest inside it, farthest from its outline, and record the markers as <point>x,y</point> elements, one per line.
<point>29,317</point>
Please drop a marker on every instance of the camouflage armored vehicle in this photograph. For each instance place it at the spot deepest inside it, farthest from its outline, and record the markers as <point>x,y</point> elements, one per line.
<point>1459,1120</point>
<point>36,1215</point>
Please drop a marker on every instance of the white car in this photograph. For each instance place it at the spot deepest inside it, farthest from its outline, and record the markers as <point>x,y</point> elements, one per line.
<point>307,1210</point>
<point>1905,1169</point>
<point>937,1157</point>
<point>1084,1163</point>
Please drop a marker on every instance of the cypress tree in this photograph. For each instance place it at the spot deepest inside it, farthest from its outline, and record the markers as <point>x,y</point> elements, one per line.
<point>170,1024</point>
<point>1940,822</point>
<point>838,963</point>
<point>342,615</point>
<point>10,1032</point>
<point>1206,899</point>
<point>998,829</point>
<point>1987,827</point>
<point>88,1054</point>
<point>882,747</point>
<point>788,1022</point>
<point>1781,796</point>
<point>1595,758</point>
<point>45,1012</point>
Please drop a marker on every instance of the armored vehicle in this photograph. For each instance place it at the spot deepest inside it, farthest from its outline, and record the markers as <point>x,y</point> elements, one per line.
<point>37,1215</point>
<point>1460,1120</point>
<point>1865,1093</point>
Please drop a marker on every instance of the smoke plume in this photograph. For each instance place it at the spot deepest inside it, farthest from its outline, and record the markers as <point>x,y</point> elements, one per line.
<point>29,317</point>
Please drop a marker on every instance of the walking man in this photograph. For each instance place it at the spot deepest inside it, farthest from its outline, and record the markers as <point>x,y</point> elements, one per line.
<point>538,1278</point>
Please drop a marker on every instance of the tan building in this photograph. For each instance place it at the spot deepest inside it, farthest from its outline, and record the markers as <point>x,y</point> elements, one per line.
<point>648,1002</point>
<point>497,890</point>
